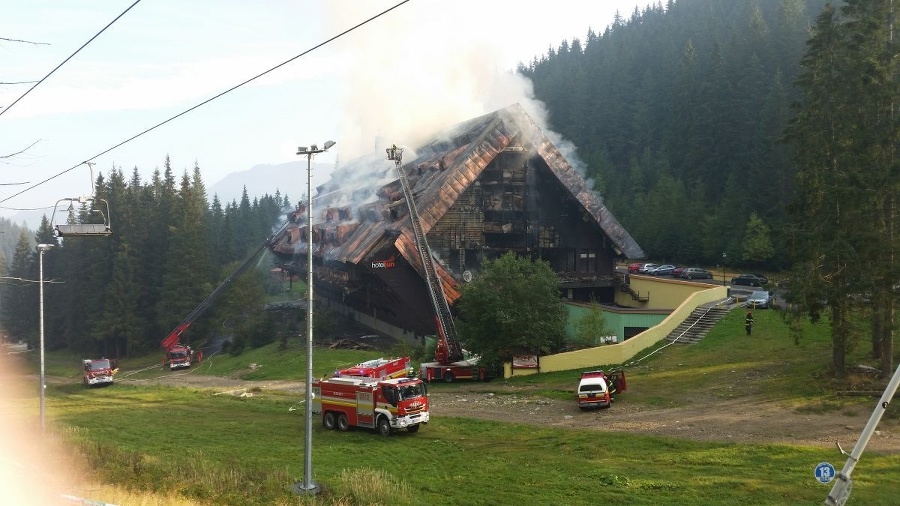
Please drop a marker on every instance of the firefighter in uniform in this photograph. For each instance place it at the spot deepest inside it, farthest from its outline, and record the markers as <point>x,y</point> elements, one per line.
<point>748,322</point>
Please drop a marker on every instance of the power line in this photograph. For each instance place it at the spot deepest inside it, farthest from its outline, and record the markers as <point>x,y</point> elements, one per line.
<point>229,90</point>
<point>69,58</point>
<point>25,42</point>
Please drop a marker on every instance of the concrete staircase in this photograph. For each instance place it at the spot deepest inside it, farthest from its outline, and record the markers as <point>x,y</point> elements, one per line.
<point>696,326</point>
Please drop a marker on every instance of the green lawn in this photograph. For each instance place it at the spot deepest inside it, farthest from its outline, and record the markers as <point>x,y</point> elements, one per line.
<point>231,450</point>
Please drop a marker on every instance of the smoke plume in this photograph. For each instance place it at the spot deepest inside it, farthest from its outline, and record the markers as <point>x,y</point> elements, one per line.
<point>427,66</point>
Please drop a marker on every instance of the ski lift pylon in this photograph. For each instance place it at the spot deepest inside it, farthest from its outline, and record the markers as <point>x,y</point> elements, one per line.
<point>81,226</point>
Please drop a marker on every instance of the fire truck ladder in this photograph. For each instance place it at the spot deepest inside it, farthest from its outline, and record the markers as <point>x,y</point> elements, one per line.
<point>174,336</point>
<point>453,350</point>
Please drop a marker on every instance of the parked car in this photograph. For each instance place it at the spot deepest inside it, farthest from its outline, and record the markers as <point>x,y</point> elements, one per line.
<point>760,299</point>
<point>676,272</point>
<point>593,391</point>
<point>662,270</point>
<point>747,280</point>
<point>634,267</point>
<point>646,268</point>
<point>762,278</point>
<point>696,273</point>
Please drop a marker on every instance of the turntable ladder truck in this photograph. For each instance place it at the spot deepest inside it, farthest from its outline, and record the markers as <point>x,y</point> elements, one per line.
<point>179,355</point>
<point>449,363</point>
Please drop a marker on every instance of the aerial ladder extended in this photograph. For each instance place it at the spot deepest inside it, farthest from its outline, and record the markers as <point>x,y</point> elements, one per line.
<point>448,349</point>
<point>180,355</point>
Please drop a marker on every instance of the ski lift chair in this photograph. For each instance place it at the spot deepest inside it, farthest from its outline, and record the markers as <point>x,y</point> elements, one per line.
<point>81,226</point>
<point>72,228</point>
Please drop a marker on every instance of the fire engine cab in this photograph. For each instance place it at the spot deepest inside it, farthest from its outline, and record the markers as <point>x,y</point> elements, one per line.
<point>181,356</point>
<point>385,405</point>
<point>98,372</point>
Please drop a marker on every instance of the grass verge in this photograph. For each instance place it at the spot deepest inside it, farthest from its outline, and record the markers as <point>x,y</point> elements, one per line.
<point>227,450</point>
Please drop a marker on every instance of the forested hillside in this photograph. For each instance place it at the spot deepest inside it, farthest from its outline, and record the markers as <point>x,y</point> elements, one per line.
<point>120,295</point>
<point>677,112</point>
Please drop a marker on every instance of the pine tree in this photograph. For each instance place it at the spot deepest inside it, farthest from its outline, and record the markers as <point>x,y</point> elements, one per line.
<point>186,280</point>
<point>20,304</point>
<point>874,80</point>
<point>844,135</point>
<point>120,325</point>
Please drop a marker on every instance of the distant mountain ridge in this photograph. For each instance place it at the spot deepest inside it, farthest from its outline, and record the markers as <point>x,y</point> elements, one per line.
<point>286,178</point>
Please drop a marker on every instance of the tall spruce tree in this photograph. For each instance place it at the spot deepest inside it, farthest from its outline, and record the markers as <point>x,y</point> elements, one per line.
<point>120,325</point>
<point>20,301</point>
<point>822,252</point>
<point>186,278</point>
<point>867,30</point>
<point>845,135</point>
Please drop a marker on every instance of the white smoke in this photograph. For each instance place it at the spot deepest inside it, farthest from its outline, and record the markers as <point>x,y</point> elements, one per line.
<point>428,65</point>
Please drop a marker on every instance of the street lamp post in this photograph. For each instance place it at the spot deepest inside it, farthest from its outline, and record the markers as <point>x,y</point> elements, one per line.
<point>308,487</point>
<point>42,248</point>
<point>723,269</point>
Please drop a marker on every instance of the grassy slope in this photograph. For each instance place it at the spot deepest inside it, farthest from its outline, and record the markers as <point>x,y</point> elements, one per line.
<point>248,450</point>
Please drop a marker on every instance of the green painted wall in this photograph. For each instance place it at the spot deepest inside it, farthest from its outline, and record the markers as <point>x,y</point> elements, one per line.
<point>616,319</point>
<point>621,353</point>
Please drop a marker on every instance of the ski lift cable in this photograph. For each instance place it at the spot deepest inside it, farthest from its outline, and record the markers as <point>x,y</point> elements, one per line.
<point>69,58</point>
<point>229,90</point>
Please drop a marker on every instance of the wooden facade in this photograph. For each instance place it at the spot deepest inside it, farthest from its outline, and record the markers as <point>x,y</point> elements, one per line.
<point>490,185</point>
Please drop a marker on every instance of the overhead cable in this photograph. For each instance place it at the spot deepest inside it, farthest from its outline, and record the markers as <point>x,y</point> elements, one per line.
<point>229,90</point>
<point>69,58</point>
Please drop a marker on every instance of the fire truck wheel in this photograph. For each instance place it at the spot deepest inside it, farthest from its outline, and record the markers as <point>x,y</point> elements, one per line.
<point>413,428</point>
<point>384,427</point>
<point>328,420</point>
<point>448,377</point>
<point>342,422</point>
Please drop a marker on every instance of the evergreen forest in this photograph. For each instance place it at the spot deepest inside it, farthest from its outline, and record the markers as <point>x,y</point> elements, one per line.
<point>761,134</point>
<point>678,112</point>
<point>121,295</point>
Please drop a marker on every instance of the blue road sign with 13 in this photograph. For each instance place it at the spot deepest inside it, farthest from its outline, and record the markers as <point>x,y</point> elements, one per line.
<point>824,472</point>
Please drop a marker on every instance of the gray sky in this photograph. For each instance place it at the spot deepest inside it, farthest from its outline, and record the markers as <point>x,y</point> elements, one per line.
<point>425,65</point>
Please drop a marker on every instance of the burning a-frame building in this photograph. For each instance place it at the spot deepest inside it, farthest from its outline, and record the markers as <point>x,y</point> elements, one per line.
<point>484,187</point>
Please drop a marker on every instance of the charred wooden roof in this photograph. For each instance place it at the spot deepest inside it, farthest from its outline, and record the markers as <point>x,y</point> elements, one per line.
<point>438,172</point>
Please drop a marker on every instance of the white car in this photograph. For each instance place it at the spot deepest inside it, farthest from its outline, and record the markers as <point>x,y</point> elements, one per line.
<point>593,391</point>
<point>645,269</point>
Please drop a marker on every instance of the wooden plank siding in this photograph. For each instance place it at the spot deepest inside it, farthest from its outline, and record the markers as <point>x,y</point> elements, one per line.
<point>492,183</point>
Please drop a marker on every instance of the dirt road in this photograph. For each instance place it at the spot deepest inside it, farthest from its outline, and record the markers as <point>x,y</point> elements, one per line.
<point>705,419</point>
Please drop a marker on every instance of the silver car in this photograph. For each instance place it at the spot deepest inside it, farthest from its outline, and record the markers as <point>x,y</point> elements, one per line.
<point>695,273</point>
<point>759,299</point>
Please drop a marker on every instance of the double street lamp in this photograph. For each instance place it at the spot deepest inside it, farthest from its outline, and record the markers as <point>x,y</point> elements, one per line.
<point>308,487</point>
<point>41,249</point>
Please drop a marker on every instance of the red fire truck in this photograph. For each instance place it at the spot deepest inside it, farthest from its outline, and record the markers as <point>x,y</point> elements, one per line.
<point>449,361</point>
<point>379,368</point>
<point>98,372</point>
<point>181,356</point>
<point>459,370</point>
<point>384,405</point>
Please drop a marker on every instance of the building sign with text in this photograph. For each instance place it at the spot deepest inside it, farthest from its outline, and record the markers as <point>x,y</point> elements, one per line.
<point>384,264</point>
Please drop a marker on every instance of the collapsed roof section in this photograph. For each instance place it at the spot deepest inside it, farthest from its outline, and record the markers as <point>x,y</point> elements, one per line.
<point>360,212</point>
